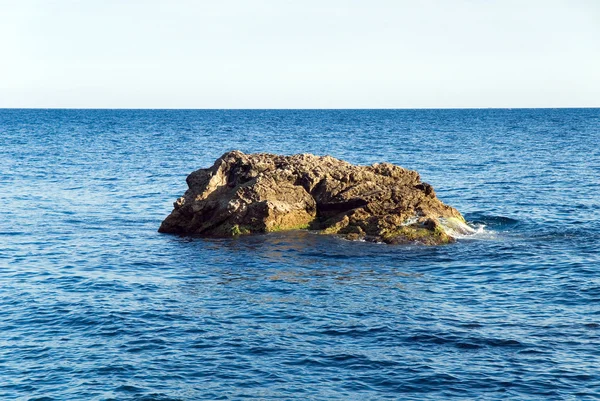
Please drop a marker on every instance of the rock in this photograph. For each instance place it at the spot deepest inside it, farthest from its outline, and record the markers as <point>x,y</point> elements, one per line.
<point>258,193</point>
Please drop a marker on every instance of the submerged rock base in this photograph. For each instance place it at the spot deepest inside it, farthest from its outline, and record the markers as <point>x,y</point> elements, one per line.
<point>259,193</point>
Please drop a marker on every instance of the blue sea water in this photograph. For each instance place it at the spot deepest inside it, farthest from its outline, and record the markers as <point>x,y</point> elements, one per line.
<point>96,305</point>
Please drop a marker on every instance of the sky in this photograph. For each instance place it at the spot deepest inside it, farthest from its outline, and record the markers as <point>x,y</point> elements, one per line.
<point>299,54</point>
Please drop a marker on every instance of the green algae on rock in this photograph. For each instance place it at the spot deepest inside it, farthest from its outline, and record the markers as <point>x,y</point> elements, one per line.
<point>258,193</point>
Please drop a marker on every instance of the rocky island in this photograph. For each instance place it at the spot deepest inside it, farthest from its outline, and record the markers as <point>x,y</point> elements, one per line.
<point>258,193</point>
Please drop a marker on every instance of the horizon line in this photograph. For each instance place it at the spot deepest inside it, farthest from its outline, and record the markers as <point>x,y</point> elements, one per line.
<point>300,108</point>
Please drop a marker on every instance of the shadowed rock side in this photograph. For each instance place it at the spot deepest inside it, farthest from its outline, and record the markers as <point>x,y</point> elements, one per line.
<point>258,193</point>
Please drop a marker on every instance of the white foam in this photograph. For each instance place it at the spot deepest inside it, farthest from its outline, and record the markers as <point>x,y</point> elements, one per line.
<point>410,221</point>
<point>461,230</point>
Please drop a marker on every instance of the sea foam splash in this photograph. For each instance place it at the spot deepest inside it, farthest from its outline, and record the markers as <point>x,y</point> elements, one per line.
<point>459,229</point>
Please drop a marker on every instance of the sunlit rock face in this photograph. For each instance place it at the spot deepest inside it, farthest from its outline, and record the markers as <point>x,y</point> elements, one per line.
<point>258,193</point>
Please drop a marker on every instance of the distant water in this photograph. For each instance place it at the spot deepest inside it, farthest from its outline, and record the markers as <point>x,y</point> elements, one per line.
<point>96,305</point>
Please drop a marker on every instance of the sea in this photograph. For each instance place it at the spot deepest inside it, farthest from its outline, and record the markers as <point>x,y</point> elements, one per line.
<point>95,304</point>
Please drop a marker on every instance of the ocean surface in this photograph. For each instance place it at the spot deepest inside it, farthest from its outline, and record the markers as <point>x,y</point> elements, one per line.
<point>95,304</point>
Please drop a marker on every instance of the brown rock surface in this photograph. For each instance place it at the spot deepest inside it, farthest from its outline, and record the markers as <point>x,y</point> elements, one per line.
<point>257,193</point>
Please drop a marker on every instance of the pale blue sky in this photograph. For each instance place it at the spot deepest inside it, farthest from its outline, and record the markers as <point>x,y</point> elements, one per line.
<point>299,54</point>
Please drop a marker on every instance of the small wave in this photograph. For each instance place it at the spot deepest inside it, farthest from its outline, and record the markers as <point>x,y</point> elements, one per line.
<point>467,230</point>
<point>491,221</point>
<point>458,229</point>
